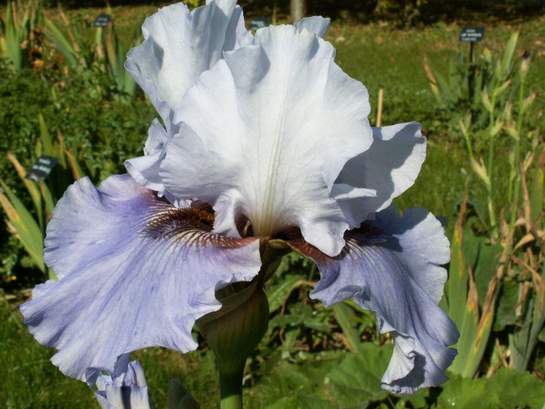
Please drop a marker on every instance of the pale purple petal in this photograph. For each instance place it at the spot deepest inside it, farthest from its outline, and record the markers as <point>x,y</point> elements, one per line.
<point>392,267</point>
<point>389,167</point>
<point>126,388</point>
<point>133,272</point>
<point>423,246</point>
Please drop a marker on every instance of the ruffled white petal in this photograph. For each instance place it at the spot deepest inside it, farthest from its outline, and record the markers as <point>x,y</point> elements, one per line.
<point>275,122</point>
<point>389,167</point>
<point>133,272</point>
<point>315,24</point>
<point>178,46</point>
<point>392,266</point>
<point>145,169</point>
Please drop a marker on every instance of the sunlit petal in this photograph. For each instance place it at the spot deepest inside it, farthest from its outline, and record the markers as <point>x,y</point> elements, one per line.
<point>133,272</point>
<point>126,388</point>
<point>315,24</point>
<point>392,266</point>
<point>389,167</point>
<point>178,46</point>
<point>275,122</point>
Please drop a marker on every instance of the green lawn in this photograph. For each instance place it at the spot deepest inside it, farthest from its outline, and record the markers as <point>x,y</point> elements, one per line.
<point>30,381</point>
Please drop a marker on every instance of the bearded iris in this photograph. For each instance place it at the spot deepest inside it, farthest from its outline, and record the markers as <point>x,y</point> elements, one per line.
<point>261,139</point>
<point>126,387</point>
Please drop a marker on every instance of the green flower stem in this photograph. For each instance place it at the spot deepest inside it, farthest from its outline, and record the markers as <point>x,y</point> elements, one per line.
<point>233,332</point>
<point>231,390</point>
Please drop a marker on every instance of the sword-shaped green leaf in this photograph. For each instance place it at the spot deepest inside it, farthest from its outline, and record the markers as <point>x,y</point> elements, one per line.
<point>26,228</point>
<point>278,294</point>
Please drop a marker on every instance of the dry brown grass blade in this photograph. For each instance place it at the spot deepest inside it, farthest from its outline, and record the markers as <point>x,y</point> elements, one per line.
<point>11,229</point>
<point>488,311</point>
<point>527,206</point>
<point>526,239</point>
<point>472,294</point>
<point>66,22</point>
<point>76,171</point>
<point>8,207</point>
<point>431,77</point>
<point>489,305</point>
<point>21,171</point>
<point>533,272</point>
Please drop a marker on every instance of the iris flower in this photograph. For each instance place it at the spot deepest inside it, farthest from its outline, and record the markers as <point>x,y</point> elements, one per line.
<point>125,388</point>
<point>261,137</point>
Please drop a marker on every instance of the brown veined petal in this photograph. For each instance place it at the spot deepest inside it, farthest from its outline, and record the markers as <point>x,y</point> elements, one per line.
<point>393,267</point>
<point>133,272</point>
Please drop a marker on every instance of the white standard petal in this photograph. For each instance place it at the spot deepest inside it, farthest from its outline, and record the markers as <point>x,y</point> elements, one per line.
<point>274,122</point>
<point>389,167</point>
<point>180,44</point>
<point>315,24</point>
<point>392,266</point>
<point>134,272</point>
<point>145,169</point>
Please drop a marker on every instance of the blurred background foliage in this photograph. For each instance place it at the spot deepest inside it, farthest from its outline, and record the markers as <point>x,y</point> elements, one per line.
<point>402,11</point>
<point>64,93</point>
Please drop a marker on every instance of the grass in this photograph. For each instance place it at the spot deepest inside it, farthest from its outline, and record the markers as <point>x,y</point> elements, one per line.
<point>383,57</point>
<point>30,381</point>
<point>379,56</point>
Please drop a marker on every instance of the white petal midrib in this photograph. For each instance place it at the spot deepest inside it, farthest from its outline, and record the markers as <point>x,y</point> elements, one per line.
<point>264,224</point>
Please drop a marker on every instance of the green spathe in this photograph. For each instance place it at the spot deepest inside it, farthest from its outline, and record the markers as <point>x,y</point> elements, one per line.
<point>233,333</point>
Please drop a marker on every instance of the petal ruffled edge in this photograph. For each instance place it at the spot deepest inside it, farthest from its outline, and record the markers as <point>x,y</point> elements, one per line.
<point>380,270</point>
<point>389,167</point>
<point>133,272</point>
<point>145,169</point>
<point>179,45</point>
<point>125,388</point>
<point>315,24</point>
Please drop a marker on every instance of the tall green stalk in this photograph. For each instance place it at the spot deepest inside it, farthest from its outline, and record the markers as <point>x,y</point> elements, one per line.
<point>491,208</point>
<point>231,389</point>
<point>514,179</point>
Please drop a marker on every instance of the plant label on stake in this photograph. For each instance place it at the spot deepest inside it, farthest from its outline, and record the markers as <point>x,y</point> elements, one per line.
<point>102,20</point>
<point>42,168</point>
<point>471,35</point>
